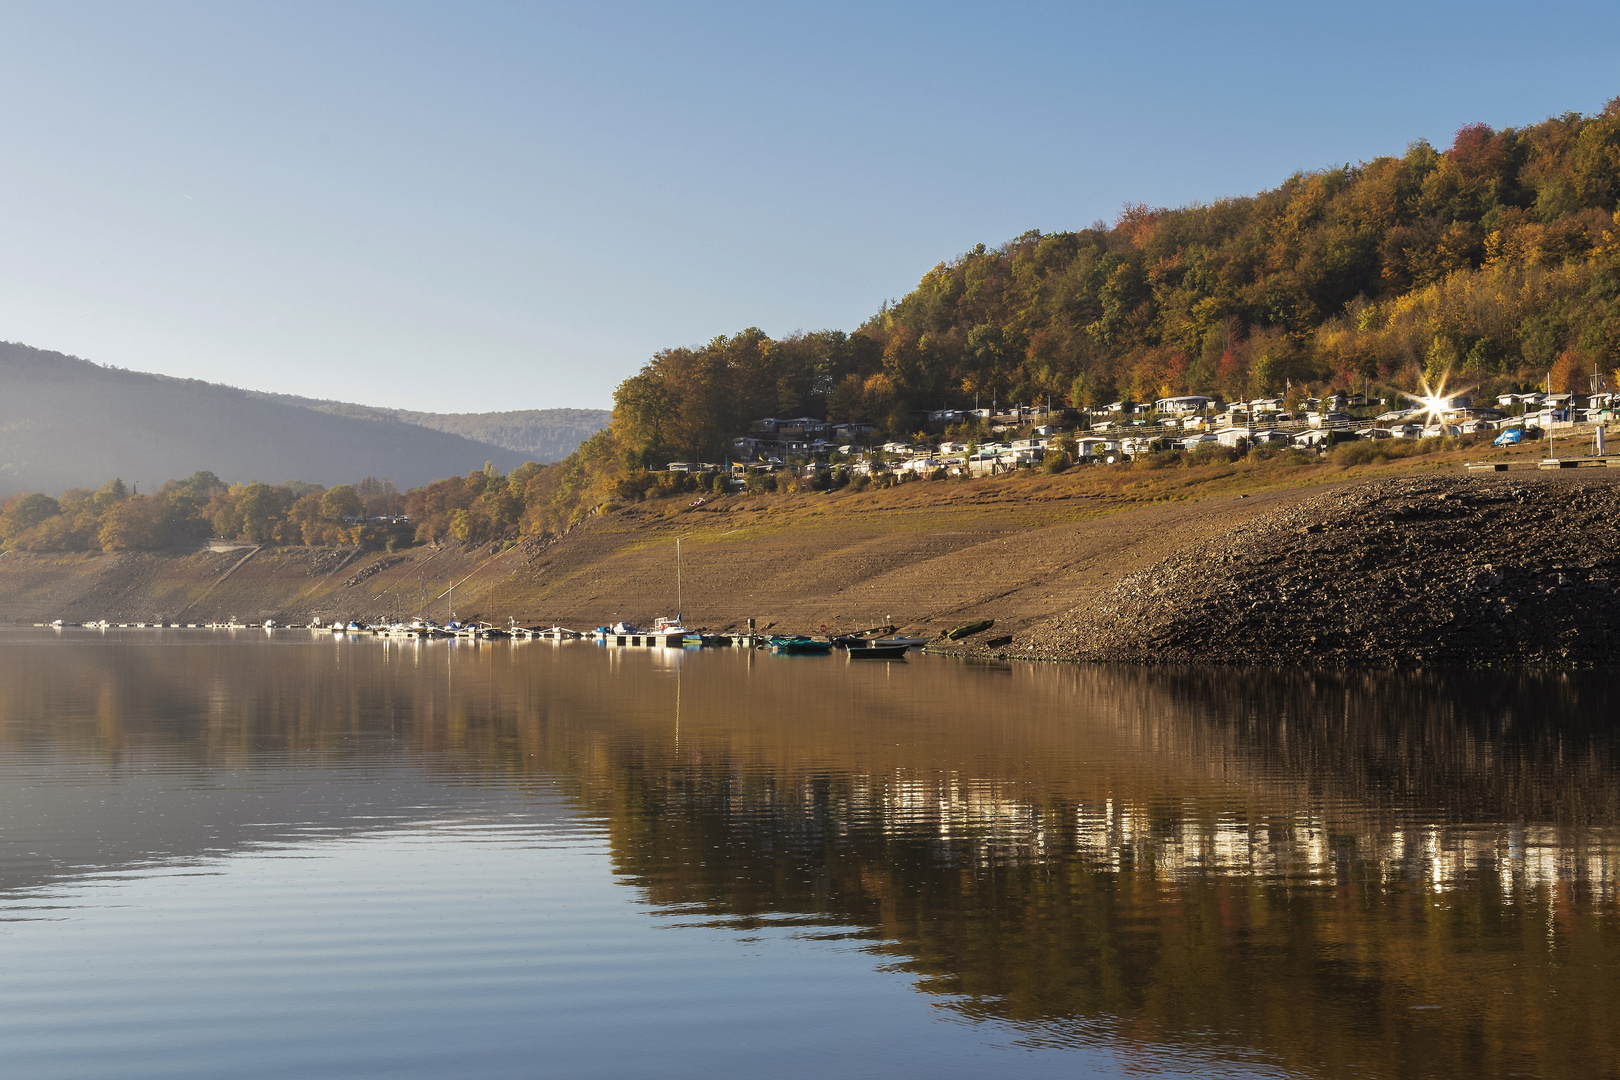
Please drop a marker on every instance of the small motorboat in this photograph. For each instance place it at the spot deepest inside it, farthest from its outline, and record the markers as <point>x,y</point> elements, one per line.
<point>800,646</point>
<point>880,652</point>
<point>669,632</point>
<point>908,642</point>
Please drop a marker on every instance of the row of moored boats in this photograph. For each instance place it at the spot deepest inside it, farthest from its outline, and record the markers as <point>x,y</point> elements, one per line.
<point>669,633</point>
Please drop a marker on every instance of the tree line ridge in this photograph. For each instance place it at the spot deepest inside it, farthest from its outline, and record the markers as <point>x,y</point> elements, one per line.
<point>1494,262</point>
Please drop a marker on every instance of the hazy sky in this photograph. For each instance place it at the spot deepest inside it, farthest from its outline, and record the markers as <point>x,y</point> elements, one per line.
<point>464,207</point>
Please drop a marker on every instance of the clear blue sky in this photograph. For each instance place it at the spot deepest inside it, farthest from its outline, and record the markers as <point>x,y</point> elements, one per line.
<point>465,207</point>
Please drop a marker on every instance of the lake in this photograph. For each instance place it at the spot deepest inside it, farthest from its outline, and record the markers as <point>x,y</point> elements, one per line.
<point>268,854</point>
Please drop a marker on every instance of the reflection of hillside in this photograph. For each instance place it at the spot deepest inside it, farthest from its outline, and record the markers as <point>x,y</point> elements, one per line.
<point>1297,863</point>
<point>1080,850</point>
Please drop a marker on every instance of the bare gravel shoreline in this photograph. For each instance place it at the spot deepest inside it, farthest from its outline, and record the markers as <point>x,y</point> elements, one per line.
<point>1506,569</point>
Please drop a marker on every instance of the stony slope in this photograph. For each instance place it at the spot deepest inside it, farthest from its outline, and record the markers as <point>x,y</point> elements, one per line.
<point>1500,569</point>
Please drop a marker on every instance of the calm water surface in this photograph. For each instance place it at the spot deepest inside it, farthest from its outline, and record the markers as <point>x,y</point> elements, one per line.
<point>266,855</point>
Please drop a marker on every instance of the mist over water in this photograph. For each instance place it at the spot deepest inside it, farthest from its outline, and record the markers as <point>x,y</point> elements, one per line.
<point>285,854</point>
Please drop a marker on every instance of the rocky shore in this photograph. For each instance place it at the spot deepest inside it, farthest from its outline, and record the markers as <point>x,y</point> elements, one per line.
<point>1502,569</point>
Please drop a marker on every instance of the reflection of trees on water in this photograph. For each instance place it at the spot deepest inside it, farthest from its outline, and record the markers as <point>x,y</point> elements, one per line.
<point>1023,914</point>
<point>1464,744</point>
<point>1374,873</point>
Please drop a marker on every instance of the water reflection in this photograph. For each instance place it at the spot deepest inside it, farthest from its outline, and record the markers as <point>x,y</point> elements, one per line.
<point>1369,874</point>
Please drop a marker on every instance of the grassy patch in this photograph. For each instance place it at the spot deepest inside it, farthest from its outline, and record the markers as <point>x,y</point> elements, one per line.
<point>1030,498</point>
<point>1377,451</point>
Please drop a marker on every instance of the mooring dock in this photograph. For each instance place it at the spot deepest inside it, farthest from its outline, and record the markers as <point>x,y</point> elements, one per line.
<point>1545,463</point>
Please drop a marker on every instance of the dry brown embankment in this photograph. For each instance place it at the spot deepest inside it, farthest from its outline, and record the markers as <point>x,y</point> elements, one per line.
<point>1193,565</point>
<point>926,556</point>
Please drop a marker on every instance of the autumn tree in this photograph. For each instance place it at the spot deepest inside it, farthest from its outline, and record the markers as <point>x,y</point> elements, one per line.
<point>341,502</point>
<point>22,513</point>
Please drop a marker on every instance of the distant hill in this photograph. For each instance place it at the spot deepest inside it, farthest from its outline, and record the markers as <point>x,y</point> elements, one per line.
<point>542,435</point>
<point>66,422</point>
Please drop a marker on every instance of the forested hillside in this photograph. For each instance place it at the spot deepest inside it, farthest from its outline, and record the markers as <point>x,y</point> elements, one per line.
<point>1492,261</point>
<point>66,422</point>
<point>542,435</point>
<point>181,513</point>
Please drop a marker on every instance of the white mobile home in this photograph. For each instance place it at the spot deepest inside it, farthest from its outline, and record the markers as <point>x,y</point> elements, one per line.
<point>1186,404</point>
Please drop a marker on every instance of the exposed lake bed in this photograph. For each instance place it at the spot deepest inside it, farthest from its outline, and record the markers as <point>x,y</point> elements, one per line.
<point>319,854</point>
<point>1503,569</point>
